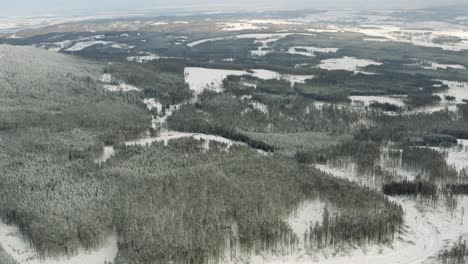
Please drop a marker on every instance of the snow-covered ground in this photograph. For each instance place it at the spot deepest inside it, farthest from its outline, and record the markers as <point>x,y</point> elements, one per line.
<point>107,153</point>
<point>152,103</point>
<point>200,79</point>
<point>86,44</point>
<point>173,135</point>
<point>459,90</point>
<point>457,156</point>
<point>428,65</point>
<point>417,37</point>
<point>347,63</point>
<point>120,87</point>
<point>17,247</point>
<point>367,100</point>
<point>106,78</point>
<point>310,51</point>
<point>144,58</point>
<point>306,216</point>
<point>265,39</point>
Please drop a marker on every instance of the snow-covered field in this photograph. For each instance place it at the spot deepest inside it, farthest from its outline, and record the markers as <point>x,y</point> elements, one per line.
<point>306,216</point>
<point>367,100</point>
<point>457,156</point>
<point>17,247</point>
<point>348,64</point>
<point>200,79</point>
<point>459,90</point>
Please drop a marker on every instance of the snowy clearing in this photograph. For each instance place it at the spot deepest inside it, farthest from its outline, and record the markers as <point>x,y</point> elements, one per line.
<point>428,65</point>
<point>152,103</point>
<point>16,246</point>
<point>121,87</point>
<point>106,78</point>
<point>200,79</point>
<point>457,156</point>
<point>143,58</point>
<point>347,63</point>
<point>260,37</point>
<point>459,90</point>
<point>86,44</point>
<point>173,135</point>
<point>367,100</point>
<point>107,153</point>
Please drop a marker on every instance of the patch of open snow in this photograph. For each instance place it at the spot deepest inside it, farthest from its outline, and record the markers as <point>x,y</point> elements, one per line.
<point>457,156</point>
<point>347,63</point>
<point>270,75</point>
<point>121,46</point>
<point>57,46</point>
<point>305,217</point>
<point>86,44</point>
<point>152,103</point>
<point>161,120</point>
<point>121,87</point>
<point>200,79</point>
<point>310,51</point>
<point>435,66</point>
<point>260,107</point>
<point>227,26</point>
<point>264,38</point>
<point>417,37</point>
<point>173,135</point>
<point>159,23</point>
<point>428,230</point>
<point>106,78</point>
<point>107,153</point>
<point>459,90</point>
<point>17,247</point>
<point>144,58</point>
<point>367,100</point>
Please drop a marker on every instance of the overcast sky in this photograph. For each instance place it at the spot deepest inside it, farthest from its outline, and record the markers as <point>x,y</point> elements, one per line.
<point>29,7</point>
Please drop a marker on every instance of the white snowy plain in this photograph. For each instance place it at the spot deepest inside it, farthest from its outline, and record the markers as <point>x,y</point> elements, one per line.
<point>347,63</point>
